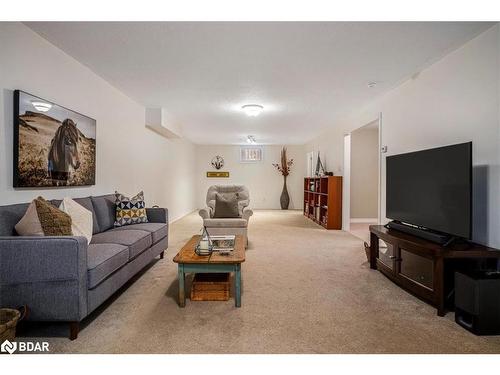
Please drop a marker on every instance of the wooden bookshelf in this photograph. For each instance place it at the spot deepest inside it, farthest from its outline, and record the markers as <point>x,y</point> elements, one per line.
<point>323,200</point>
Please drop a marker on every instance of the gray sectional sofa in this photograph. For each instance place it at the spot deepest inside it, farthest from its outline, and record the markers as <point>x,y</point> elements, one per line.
<point>64,278</point>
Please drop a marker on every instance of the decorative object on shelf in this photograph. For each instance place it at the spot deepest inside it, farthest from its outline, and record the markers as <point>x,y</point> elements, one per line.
<point>53,146</point>
<point>204,246</point>
<point>217,162</point>
<point>284,168</point>
<point>218,174</point>
<point>320,170</point>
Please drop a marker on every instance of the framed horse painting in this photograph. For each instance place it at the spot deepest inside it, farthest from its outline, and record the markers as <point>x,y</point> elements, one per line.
<point>53,146</point>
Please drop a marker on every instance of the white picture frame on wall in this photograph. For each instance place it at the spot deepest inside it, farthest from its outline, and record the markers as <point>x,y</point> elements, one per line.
<point>251,154</point>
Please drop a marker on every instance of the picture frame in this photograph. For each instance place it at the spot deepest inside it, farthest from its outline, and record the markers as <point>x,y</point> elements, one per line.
<point>53,146</point>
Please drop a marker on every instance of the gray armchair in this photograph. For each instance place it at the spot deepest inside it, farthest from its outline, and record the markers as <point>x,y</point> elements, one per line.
<point>219,226</point>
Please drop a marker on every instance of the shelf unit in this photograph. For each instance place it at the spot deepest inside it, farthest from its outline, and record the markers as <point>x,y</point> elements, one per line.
<point>323,200</point>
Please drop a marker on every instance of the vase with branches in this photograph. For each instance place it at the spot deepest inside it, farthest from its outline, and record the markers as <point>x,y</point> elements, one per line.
<point>284,168</point>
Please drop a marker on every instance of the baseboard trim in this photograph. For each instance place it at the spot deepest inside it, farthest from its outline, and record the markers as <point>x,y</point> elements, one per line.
<point>369,220</point>
<point>182,216</point>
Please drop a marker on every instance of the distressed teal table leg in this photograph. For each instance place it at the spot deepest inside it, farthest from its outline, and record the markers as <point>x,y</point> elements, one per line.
<point>237,285</point>
<point>182,296</point>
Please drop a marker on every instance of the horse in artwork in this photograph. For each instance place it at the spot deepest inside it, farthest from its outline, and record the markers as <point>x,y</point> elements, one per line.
<point>63,154</point>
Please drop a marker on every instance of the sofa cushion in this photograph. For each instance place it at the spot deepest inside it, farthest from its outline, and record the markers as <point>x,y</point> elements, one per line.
<point>136,240</point>
<point>225,223</point>
<point>104,208</point>
<point>157,230</point>
<point>87,203</point>
<point>10,216</point>
<point>103,260</point>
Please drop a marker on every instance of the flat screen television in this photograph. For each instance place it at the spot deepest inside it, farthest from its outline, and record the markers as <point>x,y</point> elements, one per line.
<point>432,189</point>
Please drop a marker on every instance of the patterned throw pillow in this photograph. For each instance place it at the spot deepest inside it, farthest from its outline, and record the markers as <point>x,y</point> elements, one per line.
<point>130,210</point>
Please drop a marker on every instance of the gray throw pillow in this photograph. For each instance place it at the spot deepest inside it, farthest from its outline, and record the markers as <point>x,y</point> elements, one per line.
<point>226,206</point>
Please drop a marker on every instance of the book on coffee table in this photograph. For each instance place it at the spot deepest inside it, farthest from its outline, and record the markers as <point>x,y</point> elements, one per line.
<point>222,243</point>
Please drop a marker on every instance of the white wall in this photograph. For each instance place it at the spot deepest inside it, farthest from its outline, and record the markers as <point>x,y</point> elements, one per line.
<point>129,156</point>
<point>454,100</point>
<point>263,180</point>
<point>364,173</point>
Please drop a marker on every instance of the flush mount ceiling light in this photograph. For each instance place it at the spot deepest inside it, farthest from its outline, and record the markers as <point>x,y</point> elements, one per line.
<point>252,110</point>
<point>42,106</point>
<point>372,84</point>
<point>251,139</point>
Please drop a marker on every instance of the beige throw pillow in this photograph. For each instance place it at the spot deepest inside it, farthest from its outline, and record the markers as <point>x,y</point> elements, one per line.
<point>43,219</point>
<point>29,225</point>
<point>81,218</point>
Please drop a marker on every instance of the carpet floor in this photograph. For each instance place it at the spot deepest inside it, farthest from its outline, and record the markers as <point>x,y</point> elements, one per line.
<point>305,290</point>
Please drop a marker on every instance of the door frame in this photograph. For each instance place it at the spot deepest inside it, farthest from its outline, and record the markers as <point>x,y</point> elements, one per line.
<point>346,184</point>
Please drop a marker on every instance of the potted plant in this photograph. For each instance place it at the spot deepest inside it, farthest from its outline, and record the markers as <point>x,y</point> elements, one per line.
<point>284,169</point>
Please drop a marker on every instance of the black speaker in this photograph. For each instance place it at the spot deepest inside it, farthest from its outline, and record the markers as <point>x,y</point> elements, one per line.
<point>477,301</point>
<point>439,238</point>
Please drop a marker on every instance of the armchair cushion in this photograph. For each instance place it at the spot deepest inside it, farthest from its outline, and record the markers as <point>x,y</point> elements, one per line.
<point>226,223</point>
<point>226,205</point>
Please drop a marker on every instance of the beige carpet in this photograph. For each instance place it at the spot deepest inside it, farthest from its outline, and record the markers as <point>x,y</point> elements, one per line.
<point>361,230</point>
<point>305,290</point>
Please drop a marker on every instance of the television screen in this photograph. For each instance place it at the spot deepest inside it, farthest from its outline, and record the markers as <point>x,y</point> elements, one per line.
<point>432,189</point>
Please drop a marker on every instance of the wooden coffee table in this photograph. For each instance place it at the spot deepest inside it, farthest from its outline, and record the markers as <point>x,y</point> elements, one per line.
<point>188,261</point>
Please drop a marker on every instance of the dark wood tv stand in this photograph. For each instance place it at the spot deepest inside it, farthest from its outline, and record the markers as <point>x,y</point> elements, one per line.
<point>422,267</point>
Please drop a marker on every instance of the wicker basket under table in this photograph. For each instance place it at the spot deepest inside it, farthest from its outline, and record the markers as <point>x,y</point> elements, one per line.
<point>8,323</point>
<point>210,287</point>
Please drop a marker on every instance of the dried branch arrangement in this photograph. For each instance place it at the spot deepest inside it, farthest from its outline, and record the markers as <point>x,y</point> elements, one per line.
<point>285,165</point>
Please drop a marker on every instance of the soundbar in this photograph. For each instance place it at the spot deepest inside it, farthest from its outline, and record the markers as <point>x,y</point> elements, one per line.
<point>426,234</point>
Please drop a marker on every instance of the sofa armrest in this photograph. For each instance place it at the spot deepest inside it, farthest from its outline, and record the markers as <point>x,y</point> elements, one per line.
<point>49,274</point>
<point>157,215</point>
<point>205,213</point>
<point>247,212</point>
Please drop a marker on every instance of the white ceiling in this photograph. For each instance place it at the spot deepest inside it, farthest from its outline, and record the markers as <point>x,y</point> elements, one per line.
<point>305,74</point>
